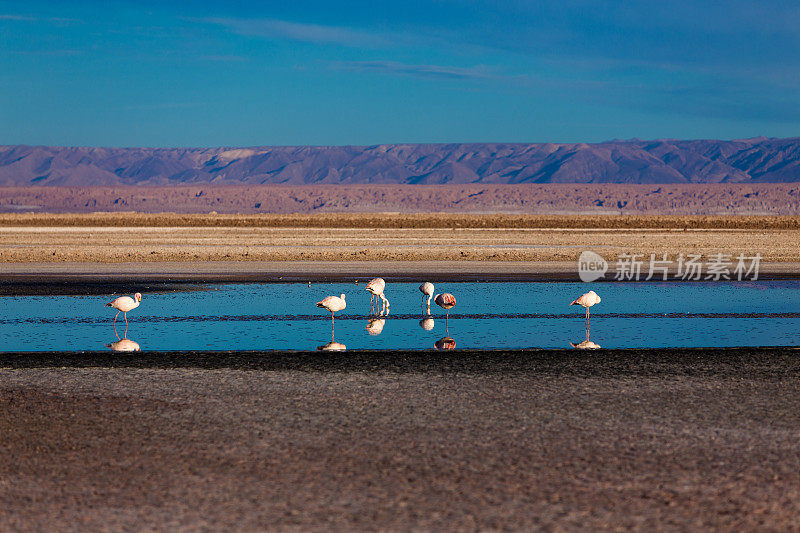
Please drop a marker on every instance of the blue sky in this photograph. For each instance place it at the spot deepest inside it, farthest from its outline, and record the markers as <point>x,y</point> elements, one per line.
<point>240,73</point>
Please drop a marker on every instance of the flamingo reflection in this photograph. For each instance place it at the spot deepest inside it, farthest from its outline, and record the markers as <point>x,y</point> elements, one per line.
<point>124,345</point>
<point>375,326</point>
<point>585,345</point>
<point>445,343</point>
<point>332,346</point>
<point>426,323</point>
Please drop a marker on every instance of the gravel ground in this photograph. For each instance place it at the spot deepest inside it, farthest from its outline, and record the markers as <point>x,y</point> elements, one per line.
<point>562,440</point>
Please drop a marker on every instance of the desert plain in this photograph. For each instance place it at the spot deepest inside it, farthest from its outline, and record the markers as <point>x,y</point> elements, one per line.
<point>664,439</point>
<point>388,237</point>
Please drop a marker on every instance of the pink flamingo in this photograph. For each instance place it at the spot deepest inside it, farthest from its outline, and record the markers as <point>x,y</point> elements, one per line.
<point>123,304</point>
<point>375,287</point>
<point>332,304</point>
<point>446,301</point>
<point>427,290</point>
<point>587,300</point>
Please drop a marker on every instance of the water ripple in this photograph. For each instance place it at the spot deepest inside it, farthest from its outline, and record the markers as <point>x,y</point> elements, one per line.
<point>460,316</point>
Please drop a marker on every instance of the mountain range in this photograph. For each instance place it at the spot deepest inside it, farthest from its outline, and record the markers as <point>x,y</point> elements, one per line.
<point>757,160</point>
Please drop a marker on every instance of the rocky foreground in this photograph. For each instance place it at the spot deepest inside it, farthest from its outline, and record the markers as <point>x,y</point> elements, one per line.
<point>630,439</point>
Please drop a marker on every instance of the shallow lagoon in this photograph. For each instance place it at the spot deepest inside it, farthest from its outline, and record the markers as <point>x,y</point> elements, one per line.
<point>496,315</point>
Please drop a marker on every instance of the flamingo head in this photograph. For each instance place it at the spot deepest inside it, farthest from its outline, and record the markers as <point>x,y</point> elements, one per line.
<point>138,296</point>
<point>342,296</point>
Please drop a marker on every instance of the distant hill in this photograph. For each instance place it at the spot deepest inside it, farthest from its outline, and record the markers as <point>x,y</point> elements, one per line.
<point>758,160</point>
<point>532,198</point>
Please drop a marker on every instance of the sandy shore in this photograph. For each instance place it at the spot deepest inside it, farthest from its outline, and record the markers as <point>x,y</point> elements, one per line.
<point>685,440</point>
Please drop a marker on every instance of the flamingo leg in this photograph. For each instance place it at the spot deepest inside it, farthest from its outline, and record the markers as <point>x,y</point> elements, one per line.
<point>587,323</point>
<point>126,325</point>
<point>115,324</point>
<point>331,327</point>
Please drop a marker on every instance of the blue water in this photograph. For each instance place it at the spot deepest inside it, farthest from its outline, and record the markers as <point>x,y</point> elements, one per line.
<point>487,316</point>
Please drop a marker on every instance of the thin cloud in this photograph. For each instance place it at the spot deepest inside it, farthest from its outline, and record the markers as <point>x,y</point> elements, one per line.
<point>17,17</point>
<point>296,31</point>
<point>165,105</point>
<point>224,58</point>
<point>65,52</point>
<point>26,18</point>
<point>417,71</point>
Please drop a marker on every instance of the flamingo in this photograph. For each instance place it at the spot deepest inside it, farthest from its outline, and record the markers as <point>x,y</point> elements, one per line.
<point>587,300</point>
<point>427,290</point>
<point>375,288</point>
<point>446,301</point>
<point>123,304</point>
<point>332,304</point>
<point>427,323</point>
